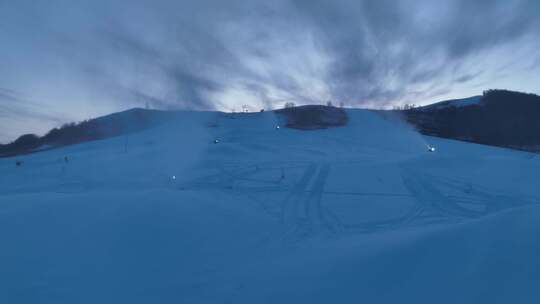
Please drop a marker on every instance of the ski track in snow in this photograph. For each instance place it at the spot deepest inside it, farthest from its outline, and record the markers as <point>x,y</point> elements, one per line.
<point>305,212</point>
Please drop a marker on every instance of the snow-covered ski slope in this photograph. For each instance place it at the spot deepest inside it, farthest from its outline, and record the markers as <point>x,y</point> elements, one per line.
<point>355,214</point>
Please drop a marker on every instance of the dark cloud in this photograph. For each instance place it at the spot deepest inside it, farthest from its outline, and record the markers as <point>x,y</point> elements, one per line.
<point>376,43</point>
<point>467,77</point>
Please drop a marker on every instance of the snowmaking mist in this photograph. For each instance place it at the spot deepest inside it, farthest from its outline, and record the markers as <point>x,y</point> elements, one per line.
<point>130,153</point>
<point>410,133</point>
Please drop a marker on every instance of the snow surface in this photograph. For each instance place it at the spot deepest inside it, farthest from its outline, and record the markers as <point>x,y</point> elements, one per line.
<point>356,214</point>
<point>463,102</point>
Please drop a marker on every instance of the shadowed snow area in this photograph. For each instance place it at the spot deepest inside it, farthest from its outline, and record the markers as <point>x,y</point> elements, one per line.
<point>221,208</point>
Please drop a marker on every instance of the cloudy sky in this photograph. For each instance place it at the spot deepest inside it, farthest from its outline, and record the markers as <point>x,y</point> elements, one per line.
<point>66,61</point>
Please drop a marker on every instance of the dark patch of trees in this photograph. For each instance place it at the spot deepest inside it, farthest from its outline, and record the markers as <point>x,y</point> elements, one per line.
<point>24,143</point>
<point>313,117</point>
<point>502,118</point>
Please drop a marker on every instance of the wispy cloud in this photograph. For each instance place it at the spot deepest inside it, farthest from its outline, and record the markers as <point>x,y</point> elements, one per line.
<point>15,109</point>
<point>14,104</point>
<point>211,54</point>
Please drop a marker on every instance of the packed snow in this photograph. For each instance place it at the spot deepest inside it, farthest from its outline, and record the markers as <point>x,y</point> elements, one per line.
<point>223,208</point>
